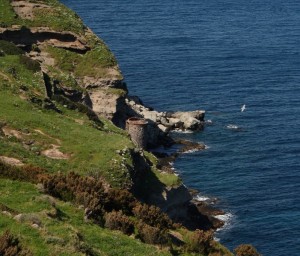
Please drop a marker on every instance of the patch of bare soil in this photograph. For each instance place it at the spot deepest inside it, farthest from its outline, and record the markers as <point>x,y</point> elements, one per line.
<point>25,9</point>
<point>5,76</point>
<point>11,132</point>
<point>11,161</point>
<point>55,153</point>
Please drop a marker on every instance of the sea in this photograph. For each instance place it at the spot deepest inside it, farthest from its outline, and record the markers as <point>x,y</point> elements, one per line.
<point>219,55</point>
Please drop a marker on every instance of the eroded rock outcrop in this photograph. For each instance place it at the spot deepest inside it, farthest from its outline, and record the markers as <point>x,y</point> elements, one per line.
<point>190,120</point>
<point>81,68</point>
<point>161,123</point>
<point>26,37</point>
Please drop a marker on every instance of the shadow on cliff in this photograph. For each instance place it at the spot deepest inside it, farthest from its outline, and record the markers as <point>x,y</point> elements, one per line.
<point>174,201</point>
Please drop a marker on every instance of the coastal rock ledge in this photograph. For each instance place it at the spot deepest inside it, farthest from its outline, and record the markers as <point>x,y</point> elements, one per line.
<point>161,123</point>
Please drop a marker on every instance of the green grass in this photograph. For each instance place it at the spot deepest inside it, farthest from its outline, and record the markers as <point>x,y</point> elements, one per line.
<point>66,80</point>
<point>90,149</point>
<point>94,63</point>
<point>17,75</point>
<point>63,236</point>
<point>7,14</point>
<point>118,92</point>
<point>169,179</point>
<point>58,18</point>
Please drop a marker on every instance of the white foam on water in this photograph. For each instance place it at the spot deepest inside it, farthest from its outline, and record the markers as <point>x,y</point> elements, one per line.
<point>201,198</point>
<point>227,218</point>
<point>190,151</point>
<point>207,147</point>
<point>182,131</point>
<point>232,127</point>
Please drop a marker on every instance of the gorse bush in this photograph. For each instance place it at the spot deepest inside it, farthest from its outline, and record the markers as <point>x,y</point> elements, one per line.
<point>73,187</point>
<point>152,216</point>
<point>246,250</point>
<point>116,209</point>
<point>152,235</point>
<point>115,204</point>
<point>118,221</point>
<point>11,246</point>
<point>120,200</point>
<point>25,173</point>
<point>199,241</point>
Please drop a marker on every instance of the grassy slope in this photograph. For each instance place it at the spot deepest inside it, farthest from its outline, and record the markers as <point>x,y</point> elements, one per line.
<point>67,235</point>
<point>89,148</point>
<point>58,18</point>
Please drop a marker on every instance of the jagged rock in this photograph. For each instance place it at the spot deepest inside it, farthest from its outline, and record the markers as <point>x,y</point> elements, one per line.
<point>197,114</point>
<point>163,128</point>
<point>92,82</point>
<point>152,115</point>
<point>176,122</point>
<point>192,120</point>
<point>189,122</point>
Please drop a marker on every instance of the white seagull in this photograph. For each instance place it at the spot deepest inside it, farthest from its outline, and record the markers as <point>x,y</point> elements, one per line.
<point>243,108</point>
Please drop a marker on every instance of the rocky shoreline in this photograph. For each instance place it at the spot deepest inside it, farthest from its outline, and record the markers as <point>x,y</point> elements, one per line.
<point>198,211</point>
<point>155,127</point>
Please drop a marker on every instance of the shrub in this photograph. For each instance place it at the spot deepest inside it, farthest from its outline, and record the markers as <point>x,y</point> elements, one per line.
<point>152,215</point>
<point>10,246</point>
<point>29,63</point>
<point>246,250</point>
<point>26,173</point>
<point>120,199</point>
<point>199,241</point>
<point>81,190</point>
<point>9,48</point>
<point>152,235</point>
<point>118,221</point>
<point>73,187</point>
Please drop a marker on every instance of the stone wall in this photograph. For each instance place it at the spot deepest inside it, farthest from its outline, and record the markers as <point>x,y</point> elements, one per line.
<point>137,129</point>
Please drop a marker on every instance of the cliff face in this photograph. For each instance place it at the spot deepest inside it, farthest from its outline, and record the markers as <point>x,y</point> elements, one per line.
<point>79,65</point>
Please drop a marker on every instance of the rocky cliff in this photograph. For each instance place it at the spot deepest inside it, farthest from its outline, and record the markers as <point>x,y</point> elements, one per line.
<point>80,67</point>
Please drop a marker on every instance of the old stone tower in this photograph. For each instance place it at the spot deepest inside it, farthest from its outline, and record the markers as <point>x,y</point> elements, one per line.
<point>137,129</point>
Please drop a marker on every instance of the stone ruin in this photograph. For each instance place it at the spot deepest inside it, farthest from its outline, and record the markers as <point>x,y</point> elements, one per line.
<point>137,129</point>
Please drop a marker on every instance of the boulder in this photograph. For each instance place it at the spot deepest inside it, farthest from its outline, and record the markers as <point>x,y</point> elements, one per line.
<point>175,123</point>
<point>152,115</point>
<point>163,128</point>
<point>192,120</point>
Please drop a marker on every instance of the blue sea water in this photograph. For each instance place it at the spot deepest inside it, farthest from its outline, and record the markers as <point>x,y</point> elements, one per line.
<point>218,55</point>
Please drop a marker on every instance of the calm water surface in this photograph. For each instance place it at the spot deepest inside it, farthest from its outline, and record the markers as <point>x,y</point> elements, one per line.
<point>218,55</point>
